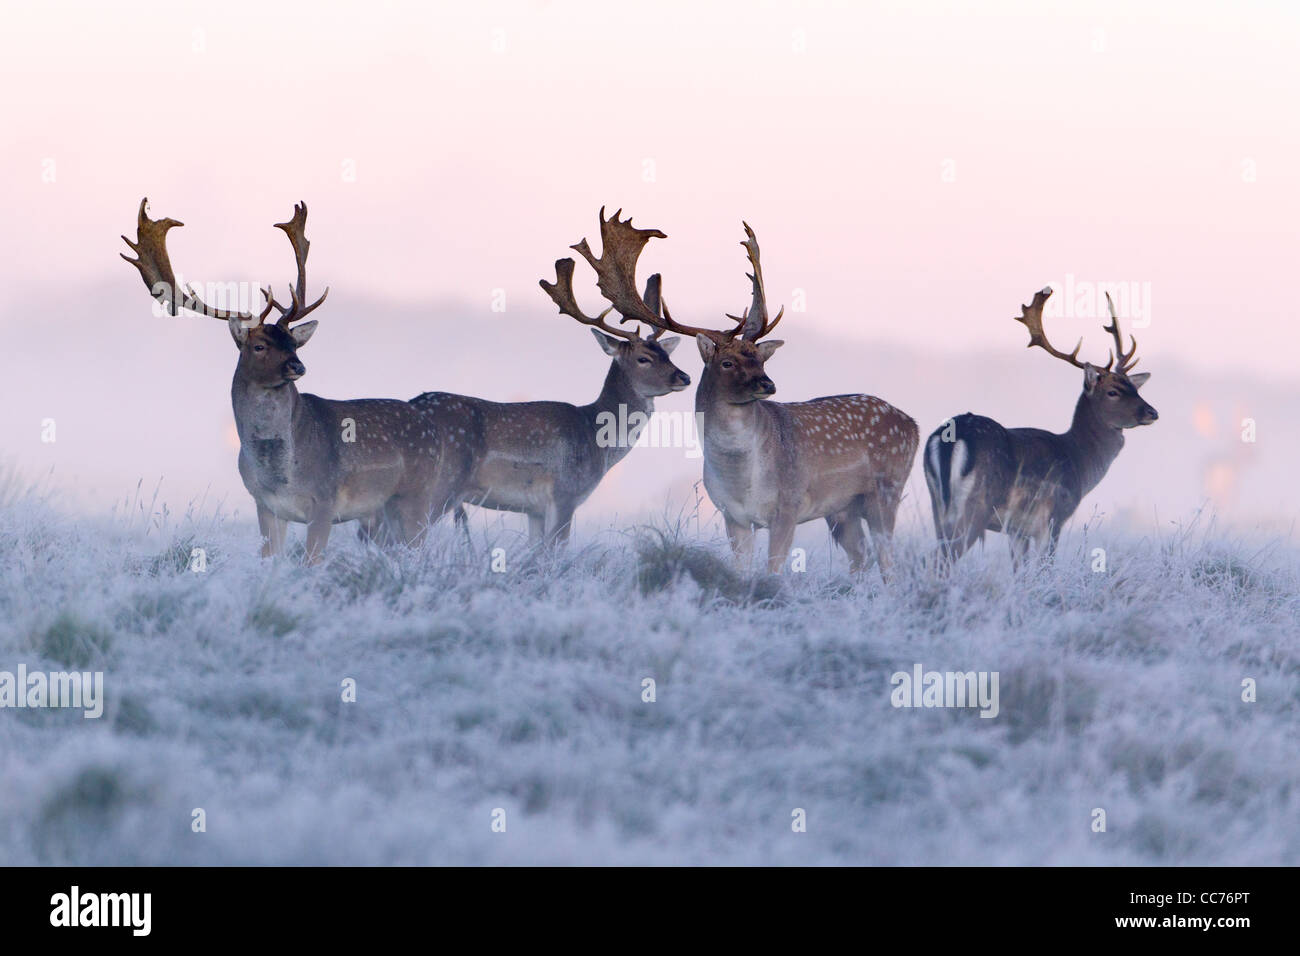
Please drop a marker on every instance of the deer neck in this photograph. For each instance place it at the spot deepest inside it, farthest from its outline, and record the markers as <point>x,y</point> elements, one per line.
<point>621,401</point>
<point>1092,443</point>
<point>263,414</point>
<point>725,428</point>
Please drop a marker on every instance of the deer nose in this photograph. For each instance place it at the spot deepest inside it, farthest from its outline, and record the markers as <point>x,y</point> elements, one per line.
<point>682,379</point>
<point>1151,414</point>
<point>295,368</point>
<point>765,386</point>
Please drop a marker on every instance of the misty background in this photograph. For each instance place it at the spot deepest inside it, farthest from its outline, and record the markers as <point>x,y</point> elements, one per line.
<point>151,402</point>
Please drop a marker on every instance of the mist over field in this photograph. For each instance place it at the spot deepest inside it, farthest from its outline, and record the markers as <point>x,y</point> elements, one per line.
<point>522,691</point>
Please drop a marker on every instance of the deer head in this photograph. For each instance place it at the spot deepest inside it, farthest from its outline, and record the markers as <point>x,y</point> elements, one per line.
<point>644,362</point>
<point>1110,389</point>
<point>268,354</point>
<point>733,358</point>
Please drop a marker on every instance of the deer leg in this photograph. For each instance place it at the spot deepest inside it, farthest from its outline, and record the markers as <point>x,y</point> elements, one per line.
<point>536,528</point>
<point>367,529</point>
<point>318,533</point>
<point>939,534</point>
<point>846,529</point>
<point>273,531</point>
<point>376,528</point>
<point>741,537</point>
<point>412,521</point>
<point>448,494</point>
<point>947,548</point>
<point>780,536</point>
<point>1049,544</point>
<point>559,522</point>
<point>1019,548</point>
<point>880,510</point>
<point>462,522</point>
<point>974,535</point>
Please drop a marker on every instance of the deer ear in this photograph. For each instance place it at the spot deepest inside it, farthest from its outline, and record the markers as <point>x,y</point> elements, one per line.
<point>608,345</point>
<point>766,349</point>
<point>1090,376</point>
<point>1139,379</point>
<point>237,331</point>
<point>708,347</point>
<point>669,344</point>
<point>301,333</point>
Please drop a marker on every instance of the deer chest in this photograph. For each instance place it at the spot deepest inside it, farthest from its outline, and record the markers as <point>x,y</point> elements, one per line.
<point>740,487</point>
<point>267,467</point>
<point>269,462</point>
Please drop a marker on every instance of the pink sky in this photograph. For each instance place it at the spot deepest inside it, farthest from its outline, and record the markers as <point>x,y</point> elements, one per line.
<point>1111,141</point>
<point>914,171</point>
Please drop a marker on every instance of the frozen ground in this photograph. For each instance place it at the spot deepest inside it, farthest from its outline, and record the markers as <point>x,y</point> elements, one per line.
<point>523,691</point>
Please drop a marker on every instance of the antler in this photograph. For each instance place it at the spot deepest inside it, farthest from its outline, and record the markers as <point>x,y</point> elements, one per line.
<point>561,293</point>
<point>754,322</point>
<point>621,244</point>
<point>156,269</point>
<point>1126,359</point>
<point>294,229</point>
<point>1032,316</point>
<point>653,297</point>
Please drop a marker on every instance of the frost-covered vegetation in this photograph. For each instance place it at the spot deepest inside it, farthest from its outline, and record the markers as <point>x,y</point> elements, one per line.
<point>475,690</point>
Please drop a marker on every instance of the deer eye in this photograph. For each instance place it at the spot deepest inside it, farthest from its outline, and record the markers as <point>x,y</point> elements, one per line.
<point>1113,394</point>
<point>643,360</point>
<point>259,348</point>
<point>728,364</point>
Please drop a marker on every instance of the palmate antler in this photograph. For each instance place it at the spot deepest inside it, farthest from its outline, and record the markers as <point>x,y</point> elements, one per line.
<point>621,246</point>
<point>155,268</point>
<point>561,293</point>
<point>1032,317</point>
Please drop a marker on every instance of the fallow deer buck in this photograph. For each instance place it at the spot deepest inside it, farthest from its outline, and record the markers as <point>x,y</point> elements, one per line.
<point>544,459</point>
<point>304,458</point>
<point>767,464</point>
<point>1027,482</point>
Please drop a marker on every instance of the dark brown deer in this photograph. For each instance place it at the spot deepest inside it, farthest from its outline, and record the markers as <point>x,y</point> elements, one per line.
<point>544,459</point>
<point>767,464</point>
<point>1027,482</point>
<point>309,459</point>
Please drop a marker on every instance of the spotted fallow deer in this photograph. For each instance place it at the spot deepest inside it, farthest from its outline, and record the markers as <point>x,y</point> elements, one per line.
<point>768,464</point>
<point>304,458</point>
<point>1027,482</point>
<point>544,459</point>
